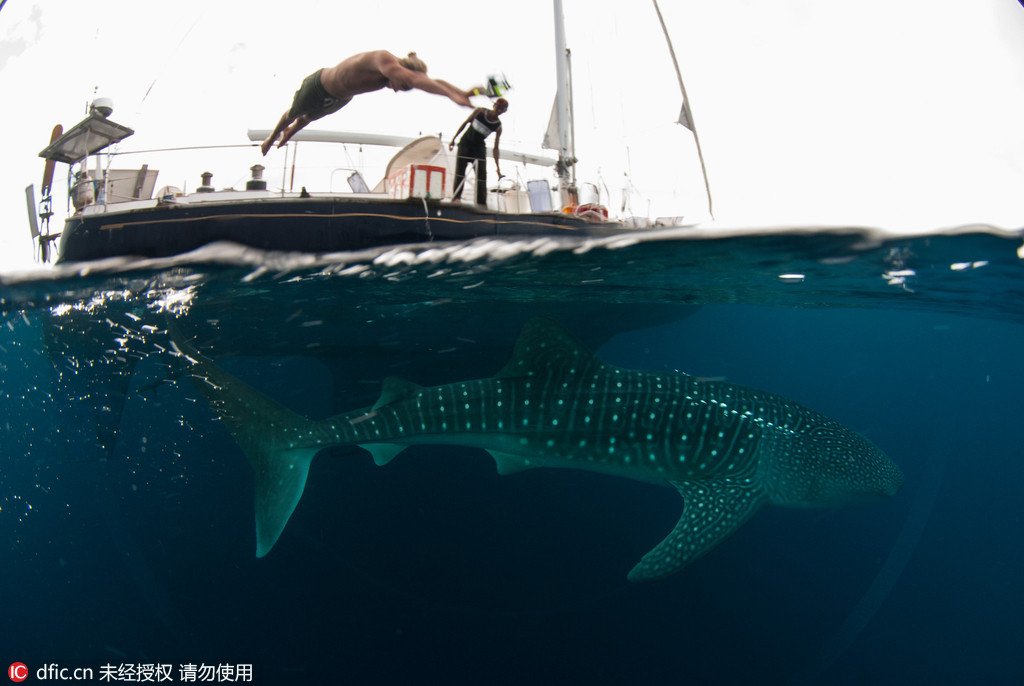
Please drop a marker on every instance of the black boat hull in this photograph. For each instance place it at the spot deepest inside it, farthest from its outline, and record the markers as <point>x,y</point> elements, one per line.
<point>311,225</point>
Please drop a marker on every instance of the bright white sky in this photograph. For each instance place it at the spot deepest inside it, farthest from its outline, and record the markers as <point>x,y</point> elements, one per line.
<point>899,114</point>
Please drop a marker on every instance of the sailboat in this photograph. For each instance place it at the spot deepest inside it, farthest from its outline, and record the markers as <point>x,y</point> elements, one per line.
<point>119,213</point>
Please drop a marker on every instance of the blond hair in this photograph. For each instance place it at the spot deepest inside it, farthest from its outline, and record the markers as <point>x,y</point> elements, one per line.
<point>413,63</point>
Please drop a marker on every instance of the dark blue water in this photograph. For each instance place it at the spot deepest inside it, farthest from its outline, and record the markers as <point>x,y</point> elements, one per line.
<point>126,529</point>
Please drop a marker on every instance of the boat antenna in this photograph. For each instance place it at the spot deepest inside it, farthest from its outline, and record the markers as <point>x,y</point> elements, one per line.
<point>685,117</point>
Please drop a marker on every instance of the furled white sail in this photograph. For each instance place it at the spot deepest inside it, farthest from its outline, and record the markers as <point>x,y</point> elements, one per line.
<point>550,140</point>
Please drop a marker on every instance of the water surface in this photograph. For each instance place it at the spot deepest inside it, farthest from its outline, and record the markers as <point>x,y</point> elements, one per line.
<point>126,524</point>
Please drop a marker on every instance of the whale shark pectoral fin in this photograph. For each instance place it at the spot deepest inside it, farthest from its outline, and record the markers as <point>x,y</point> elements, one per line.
<point>280,480</point>
<point>383,452</point>
<point>711,511</point>
<point>510,464</point>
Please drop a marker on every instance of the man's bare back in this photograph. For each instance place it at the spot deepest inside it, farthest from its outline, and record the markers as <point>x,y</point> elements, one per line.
<point>328,90</point>
<point>358,74</point>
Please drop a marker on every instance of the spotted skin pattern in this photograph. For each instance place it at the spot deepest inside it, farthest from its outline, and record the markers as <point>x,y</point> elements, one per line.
<point>727,449</point>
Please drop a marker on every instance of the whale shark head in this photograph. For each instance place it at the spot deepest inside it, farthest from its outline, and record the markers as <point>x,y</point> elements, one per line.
<point>828,464</point>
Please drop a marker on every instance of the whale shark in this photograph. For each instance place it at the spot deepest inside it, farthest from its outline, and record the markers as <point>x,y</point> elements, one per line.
<point>728,450</point>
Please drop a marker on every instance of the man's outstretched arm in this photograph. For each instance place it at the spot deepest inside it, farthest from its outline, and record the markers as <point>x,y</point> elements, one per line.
<point>454,88</point>
<point>401,76</point>
<point>438,87</point>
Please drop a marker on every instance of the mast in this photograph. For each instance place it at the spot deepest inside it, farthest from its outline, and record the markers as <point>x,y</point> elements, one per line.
<point>563,107</point>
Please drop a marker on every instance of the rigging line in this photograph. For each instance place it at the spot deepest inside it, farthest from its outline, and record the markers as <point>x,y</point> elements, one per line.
<point>175,50</point>
<point>348,156</point>
<point>188,147</point>
<point>686,107</point>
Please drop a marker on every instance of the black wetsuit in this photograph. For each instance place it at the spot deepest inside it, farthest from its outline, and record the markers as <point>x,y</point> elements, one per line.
<point>472,149</point>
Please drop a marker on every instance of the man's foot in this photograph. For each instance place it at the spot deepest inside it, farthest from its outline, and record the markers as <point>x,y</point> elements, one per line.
<point>266,145</point>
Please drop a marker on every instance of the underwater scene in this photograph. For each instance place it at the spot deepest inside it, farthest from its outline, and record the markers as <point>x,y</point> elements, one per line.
<point>785,458</point>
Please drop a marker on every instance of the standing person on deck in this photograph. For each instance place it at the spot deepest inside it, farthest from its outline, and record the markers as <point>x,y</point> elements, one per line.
<point>327,90</point>
<point>472,149</point>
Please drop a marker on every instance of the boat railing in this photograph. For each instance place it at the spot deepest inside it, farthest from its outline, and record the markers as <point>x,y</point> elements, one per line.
<point>185,172</point>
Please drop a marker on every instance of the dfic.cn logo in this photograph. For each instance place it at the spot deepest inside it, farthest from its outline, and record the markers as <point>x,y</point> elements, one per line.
<point>18,672</point>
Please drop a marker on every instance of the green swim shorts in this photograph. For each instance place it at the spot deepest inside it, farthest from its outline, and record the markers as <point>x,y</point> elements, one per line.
<point>313,100</point>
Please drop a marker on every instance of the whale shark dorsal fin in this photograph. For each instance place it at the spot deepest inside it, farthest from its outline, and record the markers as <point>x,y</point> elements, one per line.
<point>395,389</point>
<point>712,510</point>
<point>543,347</point>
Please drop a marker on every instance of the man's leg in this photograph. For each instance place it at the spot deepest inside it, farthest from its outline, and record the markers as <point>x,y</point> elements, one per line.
<point>284,121</point>
<point>481,181</point>
<point>296,126</point>
<point>461,160</point>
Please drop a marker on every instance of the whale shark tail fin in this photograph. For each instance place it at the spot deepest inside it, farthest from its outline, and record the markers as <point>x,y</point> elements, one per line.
<point>276,441</point>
